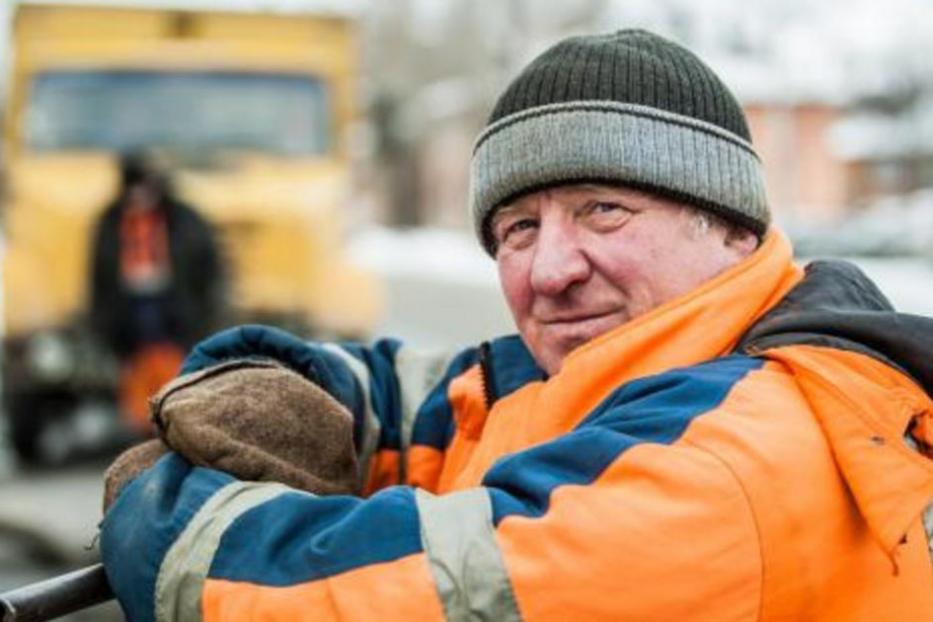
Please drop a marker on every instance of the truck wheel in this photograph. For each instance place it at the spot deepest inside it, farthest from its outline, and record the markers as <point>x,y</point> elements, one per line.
<point>30,415</point>
<point>26,419</point>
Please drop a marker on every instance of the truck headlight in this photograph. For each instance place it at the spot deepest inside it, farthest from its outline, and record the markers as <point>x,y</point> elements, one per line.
<point>50,357</point>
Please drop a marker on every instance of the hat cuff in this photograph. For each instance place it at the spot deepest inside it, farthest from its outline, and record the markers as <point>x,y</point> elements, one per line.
<point>612,142</point>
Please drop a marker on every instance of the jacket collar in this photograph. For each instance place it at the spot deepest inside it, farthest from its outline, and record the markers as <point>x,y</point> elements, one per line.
<point>837,306</point>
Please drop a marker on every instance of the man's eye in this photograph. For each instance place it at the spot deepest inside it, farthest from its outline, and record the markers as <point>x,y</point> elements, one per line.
<point>517,227</point>
<point>516,232</point>
<point>606,214</point>
<point>606,207</point>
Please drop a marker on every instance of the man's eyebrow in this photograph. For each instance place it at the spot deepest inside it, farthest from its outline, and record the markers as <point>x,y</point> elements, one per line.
<point>506,210</point>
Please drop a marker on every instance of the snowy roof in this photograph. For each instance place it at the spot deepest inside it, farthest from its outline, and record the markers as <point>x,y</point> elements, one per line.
<point>878,136</point>
<point>891,226</point>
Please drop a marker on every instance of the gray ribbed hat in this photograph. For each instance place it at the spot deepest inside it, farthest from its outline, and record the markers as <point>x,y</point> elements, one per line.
<point>628,108</point>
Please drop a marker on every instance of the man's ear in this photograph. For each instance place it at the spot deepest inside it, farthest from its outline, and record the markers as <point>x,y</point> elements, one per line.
<point>742,241</point>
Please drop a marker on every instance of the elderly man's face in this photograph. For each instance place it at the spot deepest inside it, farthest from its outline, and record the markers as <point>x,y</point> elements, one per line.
<point>577,261</point>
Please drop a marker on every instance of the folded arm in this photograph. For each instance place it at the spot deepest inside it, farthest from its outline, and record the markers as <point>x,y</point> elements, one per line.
<point>384,385</point>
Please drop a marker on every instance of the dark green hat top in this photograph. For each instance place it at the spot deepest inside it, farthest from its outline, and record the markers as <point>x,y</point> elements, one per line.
<point>628,108</point>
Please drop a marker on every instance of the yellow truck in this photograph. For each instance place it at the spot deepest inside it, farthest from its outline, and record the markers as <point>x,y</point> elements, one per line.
<point>250,109</point>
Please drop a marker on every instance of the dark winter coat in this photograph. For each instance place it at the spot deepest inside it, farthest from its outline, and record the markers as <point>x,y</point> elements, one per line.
<point>194,298</point>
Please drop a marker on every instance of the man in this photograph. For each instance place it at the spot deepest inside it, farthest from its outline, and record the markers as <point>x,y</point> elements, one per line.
<point>689,427</point>
<point>156,282</point>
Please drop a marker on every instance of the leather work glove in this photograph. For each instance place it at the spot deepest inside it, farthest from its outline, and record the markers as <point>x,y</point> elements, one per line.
<point>254,419</point>
<point>317,364</point>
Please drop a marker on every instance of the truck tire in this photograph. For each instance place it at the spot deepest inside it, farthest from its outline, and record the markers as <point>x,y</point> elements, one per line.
<point>25,422</point>
<point>28,416</point>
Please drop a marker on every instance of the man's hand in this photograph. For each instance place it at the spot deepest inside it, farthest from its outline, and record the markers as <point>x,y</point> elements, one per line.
<point>254,419</point>
<point>253,341</point>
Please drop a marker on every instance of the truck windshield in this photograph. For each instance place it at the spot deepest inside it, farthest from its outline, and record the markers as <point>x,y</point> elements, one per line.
<point>119,110</point>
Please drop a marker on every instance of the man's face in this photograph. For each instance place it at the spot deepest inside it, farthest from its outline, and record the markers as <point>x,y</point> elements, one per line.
<point>577,261</point>
<point>143,195</point>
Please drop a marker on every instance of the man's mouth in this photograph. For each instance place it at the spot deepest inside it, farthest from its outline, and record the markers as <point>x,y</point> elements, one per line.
<point>576,318</point>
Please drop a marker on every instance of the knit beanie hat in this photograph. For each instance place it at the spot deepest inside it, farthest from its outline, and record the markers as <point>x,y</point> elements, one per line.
<point>629,108</point>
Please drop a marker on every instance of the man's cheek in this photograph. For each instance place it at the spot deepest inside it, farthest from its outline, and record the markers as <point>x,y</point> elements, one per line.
<point>518,296</point>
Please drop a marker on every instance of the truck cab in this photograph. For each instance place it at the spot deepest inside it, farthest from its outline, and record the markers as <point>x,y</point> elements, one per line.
<point>247,109</point>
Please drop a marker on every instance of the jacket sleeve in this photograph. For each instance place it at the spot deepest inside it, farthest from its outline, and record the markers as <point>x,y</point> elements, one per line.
<point>201,298</point>
<point>597,522</point>
<point>385,385</point>
<point>103,282</point>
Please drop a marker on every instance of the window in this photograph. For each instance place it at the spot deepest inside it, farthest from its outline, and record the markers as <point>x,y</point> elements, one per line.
<point>205,111</point>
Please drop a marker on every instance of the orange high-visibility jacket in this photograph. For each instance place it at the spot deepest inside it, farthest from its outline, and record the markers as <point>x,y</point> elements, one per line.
<point>755,450</point>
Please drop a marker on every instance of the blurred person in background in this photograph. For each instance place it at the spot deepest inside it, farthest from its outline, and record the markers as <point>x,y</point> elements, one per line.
<point>688,426</point>
<point>156,282</point>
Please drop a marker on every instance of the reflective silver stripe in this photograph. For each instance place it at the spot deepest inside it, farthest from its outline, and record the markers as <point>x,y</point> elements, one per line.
<point>371,425</point>
<point>458,537</point>
<point>417,373</point>
<point>181,577</point>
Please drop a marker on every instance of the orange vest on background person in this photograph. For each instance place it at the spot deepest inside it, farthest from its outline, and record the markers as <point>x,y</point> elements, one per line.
<point>145,264</point>
<point>145,268</point>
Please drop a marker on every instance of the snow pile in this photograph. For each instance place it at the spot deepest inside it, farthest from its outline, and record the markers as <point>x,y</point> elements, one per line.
<point>899,226</point>
<point>451,255</point>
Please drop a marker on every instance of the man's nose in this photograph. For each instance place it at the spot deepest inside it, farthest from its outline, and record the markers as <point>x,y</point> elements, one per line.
<point>559,260</point>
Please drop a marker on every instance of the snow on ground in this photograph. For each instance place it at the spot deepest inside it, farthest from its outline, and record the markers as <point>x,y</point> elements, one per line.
<point>433,253</point>
<point>442,289</point>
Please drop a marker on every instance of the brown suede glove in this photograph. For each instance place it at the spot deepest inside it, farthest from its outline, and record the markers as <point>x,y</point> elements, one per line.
<point>254,419</point>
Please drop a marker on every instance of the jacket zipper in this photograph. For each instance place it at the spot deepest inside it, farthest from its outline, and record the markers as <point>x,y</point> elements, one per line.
<point>486,375</point>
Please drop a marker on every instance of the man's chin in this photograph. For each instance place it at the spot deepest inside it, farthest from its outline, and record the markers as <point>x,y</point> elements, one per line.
<point>552,358</point>
<point>559,340</point>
